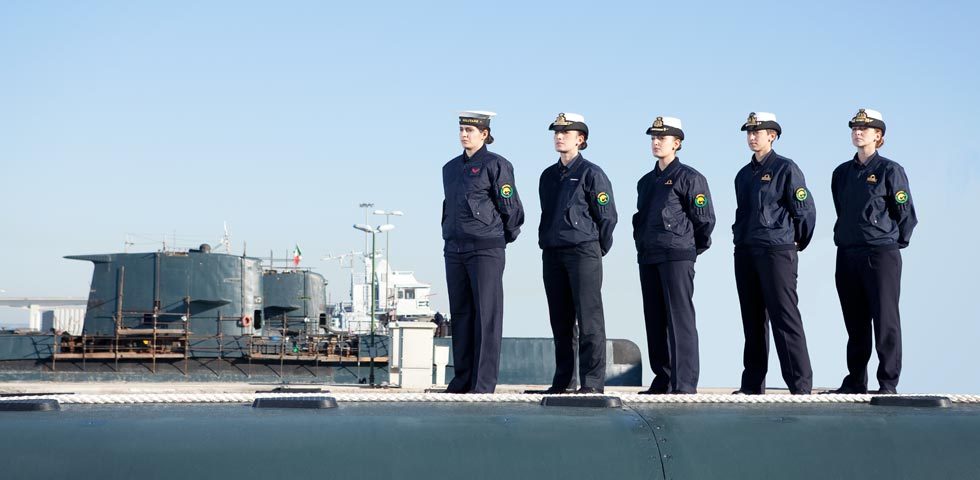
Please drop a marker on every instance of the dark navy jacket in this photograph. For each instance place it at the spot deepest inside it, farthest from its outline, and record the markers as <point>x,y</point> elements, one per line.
<point>874,206</point>
<point>675,215</point>
<point>775,208</point>
<point>577,206</point>
<point>482,208</point>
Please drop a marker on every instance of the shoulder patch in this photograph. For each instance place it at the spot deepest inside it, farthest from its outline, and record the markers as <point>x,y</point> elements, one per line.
<point>700,200</point>
<point>506,191</point>
<point>602,198</point>
<point>801,194</point>
<point>901,197</point>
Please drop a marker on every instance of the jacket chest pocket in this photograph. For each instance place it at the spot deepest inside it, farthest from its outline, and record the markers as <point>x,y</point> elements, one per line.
<point>578,218</point>
<point>672,212</point>
<point>875,208</point>
<point>770,210</point>
<point>482,209</point>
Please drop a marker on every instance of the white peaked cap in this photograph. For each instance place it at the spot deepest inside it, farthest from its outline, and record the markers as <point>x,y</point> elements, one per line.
<point>672,122</point>
<point>574,117</point>
<point>765,117</point>
<point>873,114</point>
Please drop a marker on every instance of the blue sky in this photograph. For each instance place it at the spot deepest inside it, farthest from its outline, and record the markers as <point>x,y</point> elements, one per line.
<point>154,118</point>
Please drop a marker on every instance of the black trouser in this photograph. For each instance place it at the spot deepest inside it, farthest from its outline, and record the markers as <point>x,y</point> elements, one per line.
<point>868,284</point>
<point>476,302</point>
<point>766,281</point>
<point>573,285</point>
<point>672,333</point>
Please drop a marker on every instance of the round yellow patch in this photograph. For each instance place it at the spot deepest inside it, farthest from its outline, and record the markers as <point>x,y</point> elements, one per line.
<point>901,197</point>
<point>801,194</point>
<point>602,198</point>
<point>700,200</point>
<point>506,190</point>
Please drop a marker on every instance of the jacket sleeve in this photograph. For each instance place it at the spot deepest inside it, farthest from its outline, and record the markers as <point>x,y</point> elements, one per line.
<point>637,217</point>
<point>506,198</point>
<point>900,207</point>
<point>700,211</point>
<point>799,203</point>
<point>602,207</point>
<point>834,190</point>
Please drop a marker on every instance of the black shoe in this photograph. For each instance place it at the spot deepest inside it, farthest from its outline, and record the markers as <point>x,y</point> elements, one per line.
<point>844,391</point>
<point>549,391</point>
<point>886,391</point>
<point>746,392</point>
<point>653,391</point>
<point>589,390</point>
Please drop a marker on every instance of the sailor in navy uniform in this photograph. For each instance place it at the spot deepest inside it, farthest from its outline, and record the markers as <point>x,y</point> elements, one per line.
<point>774,220</point>
<point>671,227</point>
<point>875,218</point>
<point>481,214</point>
<point>578,215</point>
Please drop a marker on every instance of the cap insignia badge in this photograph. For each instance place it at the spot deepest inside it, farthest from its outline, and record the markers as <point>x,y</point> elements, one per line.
<point>862,116</point>
<point>561,121</point>
<point>658,123</point>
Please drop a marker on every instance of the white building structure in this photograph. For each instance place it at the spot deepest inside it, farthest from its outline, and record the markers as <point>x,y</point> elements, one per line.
<point>45,313</point>
<point>399,296</point>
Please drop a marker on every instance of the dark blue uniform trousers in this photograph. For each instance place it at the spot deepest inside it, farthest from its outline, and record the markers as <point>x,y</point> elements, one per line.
<point>868,284</point>
<point>672,334</point>
<point>766,282</point>
<point>573,285</point>
<point>476,301</point>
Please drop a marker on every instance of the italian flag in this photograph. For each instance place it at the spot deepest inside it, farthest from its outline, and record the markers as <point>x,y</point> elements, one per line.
<point>297,255</point>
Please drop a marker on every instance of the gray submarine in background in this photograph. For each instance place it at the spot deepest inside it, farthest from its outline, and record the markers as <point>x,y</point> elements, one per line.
<point>205,316</point>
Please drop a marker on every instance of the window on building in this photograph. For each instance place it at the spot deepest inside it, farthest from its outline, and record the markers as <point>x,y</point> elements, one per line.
<point>410,293</point>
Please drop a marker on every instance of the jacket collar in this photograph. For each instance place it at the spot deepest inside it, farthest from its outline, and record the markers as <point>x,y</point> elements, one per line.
<point>765,160</point>
<point>482,152</point>
<point>872,161</point>
<point>670,168</point>
<point>563,169</point>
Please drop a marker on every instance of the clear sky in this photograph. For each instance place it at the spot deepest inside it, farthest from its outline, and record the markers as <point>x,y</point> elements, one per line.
<point>156,118</point>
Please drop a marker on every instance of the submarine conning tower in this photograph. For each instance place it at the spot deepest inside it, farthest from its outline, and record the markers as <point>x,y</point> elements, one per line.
<point>196,293</point>
<point>295,302</point>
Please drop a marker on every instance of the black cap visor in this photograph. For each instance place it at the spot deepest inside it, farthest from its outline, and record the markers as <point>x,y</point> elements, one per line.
<point>766,125</point>
<point>665,131</point>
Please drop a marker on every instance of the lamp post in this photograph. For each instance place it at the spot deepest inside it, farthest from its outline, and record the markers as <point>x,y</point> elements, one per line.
<point>373,231</point>
<point>366,206</point>
<point>388,214</point>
